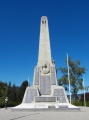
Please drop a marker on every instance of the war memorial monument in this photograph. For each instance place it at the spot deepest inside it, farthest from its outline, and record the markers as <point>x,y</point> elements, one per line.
<point>45,94</point>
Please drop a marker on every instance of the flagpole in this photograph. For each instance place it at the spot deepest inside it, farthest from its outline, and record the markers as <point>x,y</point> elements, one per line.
<point>84,93</point>
<point>68,78</point>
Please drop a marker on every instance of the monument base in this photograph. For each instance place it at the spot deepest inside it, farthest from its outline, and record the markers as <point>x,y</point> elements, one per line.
<point>45,107</point>
<point>57,100</point>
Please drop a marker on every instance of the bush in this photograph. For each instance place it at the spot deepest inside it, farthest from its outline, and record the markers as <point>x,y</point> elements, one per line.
<point>10,103</point>
<point>78,103</point>
<point>87,104</point>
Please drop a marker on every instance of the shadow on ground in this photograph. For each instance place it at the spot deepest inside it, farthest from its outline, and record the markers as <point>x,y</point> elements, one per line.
<point>24,116</point>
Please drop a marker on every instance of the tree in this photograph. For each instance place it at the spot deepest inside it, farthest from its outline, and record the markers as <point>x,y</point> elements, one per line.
<point>3,87</point>
<point>76,73</point>
<point>22,90</point>
<point>14,93</point>
<point>9,91</point>
<point>86,97</point>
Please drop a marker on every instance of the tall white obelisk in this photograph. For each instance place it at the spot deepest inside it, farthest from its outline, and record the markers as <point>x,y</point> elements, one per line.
<point>44,43</point>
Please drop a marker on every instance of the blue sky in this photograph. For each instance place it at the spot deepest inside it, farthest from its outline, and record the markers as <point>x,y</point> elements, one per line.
<point>19,35</point>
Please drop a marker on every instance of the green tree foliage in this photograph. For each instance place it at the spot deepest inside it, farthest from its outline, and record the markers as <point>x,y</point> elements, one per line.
<point>13,92</point>
<point>22,90</point>
<point>3,87</point>
<point>86,97</point>
<point>76,73</point>
<point>9,90</point>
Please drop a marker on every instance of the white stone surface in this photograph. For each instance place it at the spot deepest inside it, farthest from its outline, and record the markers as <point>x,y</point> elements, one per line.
<point>44,43</point>
<point>42,105</point>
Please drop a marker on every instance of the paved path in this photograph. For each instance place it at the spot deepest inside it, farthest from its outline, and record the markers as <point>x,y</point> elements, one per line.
<point>19,115</point>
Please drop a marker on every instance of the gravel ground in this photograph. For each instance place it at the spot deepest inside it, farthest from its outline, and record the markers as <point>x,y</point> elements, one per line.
<point>28,115</point>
